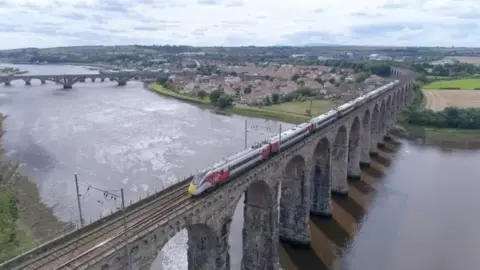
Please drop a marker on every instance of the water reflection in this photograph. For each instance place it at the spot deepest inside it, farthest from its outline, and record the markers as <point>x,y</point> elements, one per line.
<point>413,209</point>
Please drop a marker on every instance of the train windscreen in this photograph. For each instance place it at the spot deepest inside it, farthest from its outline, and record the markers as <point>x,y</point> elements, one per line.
<point>197,179</point>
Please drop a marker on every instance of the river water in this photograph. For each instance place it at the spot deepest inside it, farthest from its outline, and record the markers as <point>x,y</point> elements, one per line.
<point>421,215</point>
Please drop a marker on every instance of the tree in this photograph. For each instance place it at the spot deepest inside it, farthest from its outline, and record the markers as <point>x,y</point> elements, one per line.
<point>295,77</point>
<point>331,80</point>
<point>267,101</point>
<point>202,94</point>
<point>161,80</point>
<point>214,96</point>
<point>237,91</point>
<point>247,90</point>
<point>275,98</point>
<point>224,101</point>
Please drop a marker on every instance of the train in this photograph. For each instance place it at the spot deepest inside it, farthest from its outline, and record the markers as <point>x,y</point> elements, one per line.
<point>232,166</point>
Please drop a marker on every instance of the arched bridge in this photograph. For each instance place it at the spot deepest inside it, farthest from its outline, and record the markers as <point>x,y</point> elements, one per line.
<point>280,194</point>
<point>67,80</point>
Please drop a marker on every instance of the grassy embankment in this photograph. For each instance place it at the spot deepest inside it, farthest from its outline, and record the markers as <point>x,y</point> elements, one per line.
<point>291,112</point>
<point>15,238</point>
<point>25,221</point>
<point>434,134</point>
<point>464,84</point>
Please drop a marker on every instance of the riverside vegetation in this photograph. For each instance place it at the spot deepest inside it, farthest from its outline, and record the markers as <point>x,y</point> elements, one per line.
<point>25,221</point>
<point>450,124</point>
<point>297,107</point>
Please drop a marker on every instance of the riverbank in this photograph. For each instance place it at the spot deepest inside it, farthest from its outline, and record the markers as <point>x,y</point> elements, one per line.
<point>25,221</point>
<point>452,138</point>
<point>264,112</point>
<point>458,138</point>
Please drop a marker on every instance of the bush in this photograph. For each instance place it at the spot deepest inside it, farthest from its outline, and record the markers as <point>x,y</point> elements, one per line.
<point>214,96</point>
<point>202,94</point>
<point>224,101</point>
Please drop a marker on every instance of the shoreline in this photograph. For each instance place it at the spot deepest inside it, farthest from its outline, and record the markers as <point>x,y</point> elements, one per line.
<point>262,113</point>
<point>429,135</point>
<point>36,222</point>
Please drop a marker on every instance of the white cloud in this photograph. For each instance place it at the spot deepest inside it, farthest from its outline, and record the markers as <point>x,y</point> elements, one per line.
<point>43,23</point>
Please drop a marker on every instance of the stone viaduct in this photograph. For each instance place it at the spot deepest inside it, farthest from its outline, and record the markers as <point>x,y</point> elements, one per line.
<point>280,194</point>
<point>67,80</point>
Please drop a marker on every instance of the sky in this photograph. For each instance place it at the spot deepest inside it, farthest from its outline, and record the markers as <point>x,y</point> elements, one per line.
<point>44,23</point>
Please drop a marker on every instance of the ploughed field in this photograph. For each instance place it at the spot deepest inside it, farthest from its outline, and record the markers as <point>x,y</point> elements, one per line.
<point>437,100</point>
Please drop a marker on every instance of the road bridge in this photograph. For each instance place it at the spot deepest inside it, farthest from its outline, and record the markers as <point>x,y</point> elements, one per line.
<point>67,80</point>
<point>280,194</point>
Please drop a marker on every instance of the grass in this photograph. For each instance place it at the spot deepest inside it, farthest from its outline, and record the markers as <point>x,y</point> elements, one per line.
<point>301,107</point>
<point>465,84</point>
<point>290,112</point>
<point>15,238</point>
<point>166,92</point>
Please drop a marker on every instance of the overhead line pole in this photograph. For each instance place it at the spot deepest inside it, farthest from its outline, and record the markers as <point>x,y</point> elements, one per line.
<point>78,201</point>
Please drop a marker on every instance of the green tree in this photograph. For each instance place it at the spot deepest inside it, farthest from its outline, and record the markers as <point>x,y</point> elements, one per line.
<point>202,94</point>
<point>214,96</point>
<point>224,101</point>
<point>295,77</point>
<point>266,101</point>
<point>275,98</point>
<point>247,90</point>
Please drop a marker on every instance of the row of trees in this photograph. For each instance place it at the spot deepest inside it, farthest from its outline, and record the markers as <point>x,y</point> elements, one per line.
<point>374,67</point>
<point>450,117</point>
<point>445,70</point>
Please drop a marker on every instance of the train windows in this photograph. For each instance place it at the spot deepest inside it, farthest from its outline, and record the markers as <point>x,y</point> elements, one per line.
<point>234,166</point>
<point>197,179</point>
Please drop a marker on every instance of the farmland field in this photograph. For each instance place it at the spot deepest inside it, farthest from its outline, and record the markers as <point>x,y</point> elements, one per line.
<point>465,59</point>
<point>466,84</point>
<point>439,99</point>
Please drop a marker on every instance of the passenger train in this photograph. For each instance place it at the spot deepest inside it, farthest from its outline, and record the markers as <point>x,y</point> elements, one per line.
<point>234,165</point>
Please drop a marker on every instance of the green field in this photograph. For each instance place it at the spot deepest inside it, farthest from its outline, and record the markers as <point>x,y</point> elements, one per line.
<point>301,107</point>
<point>465,84</point>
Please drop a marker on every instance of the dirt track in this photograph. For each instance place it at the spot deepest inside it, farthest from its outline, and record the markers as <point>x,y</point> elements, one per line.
<point>439,99</point>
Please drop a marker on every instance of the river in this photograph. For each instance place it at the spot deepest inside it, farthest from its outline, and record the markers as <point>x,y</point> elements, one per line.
<point>419,217</point>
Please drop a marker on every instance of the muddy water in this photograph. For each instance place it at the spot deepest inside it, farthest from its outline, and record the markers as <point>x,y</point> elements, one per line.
<point>413,209</point>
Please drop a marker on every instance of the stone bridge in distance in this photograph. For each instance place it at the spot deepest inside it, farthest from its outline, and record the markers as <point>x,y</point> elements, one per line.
<point>67,80</point>
<point>280,194</point>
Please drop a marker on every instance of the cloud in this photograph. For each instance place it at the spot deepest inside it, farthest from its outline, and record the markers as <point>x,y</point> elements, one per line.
<point>207,2</point>
<point>47,23</point>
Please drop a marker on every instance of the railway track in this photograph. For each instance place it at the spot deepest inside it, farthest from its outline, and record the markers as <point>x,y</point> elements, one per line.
<point>112,244</point>
<point>70,249</point>
<point>85,257</point>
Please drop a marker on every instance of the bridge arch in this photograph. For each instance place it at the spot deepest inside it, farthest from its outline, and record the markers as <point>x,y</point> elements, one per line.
<point>260,242</point>
<point>321,204</point>
<point>374,129</point>
<point>365,139</point>
<point>353,159</point>
<point>339,162</point>
<point>294,208</point>
<point>382,122</point>
<point>202,242</point>
<point>408,90</point>
<point>388,114</point>
<point>399,97</point>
